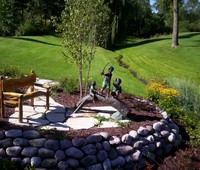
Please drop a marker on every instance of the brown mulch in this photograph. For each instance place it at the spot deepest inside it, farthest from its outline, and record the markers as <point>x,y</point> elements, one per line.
<point>142,114</point>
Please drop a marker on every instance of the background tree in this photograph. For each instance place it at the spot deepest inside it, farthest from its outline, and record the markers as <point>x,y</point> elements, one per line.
<point>128,18</point>
<point>175,23</point>
<point>83,27</point>
<point>165,7</point>
<point>7,17</point>
<point>190,16</point>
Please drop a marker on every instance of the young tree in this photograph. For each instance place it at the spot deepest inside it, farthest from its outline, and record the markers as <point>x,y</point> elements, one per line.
<point>84,25</point>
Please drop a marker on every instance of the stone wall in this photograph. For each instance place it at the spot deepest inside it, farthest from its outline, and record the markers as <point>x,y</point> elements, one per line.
<point>98,151</point>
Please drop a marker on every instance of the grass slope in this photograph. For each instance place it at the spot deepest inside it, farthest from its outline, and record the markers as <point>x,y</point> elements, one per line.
<point>155,57</point>
<point>148,58</point>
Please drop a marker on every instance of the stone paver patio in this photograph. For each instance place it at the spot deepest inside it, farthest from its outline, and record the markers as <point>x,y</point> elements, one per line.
<point>61,118</point>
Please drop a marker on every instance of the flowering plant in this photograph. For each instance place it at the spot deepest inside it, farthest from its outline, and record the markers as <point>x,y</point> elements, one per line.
<point>167,98</point>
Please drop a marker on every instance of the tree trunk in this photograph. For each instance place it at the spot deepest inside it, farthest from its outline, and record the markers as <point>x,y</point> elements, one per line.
<point>81,83</point>
<point>175,23</point>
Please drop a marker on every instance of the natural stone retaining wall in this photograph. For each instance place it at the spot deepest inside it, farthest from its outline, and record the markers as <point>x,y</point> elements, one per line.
<point>96,152</point>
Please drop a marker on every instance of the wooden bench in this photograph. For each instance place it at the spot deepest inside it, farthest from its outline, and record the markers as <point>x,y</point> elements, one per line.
<point>10,96</point>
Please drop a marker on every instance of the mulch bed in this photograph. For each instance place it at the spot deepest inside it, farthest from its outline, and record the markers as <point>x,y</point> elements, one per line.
<point>142,113</point>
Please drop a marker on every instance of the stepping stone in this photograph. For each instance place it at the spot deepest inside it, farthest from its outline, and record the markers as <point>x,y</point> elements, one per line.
<point>83,115</point>
<point>81,123</point>
<point>56,109</point>
<point>38,122</point>
<point>55,117</point>
<point>40,109</point>
<point>69,113</point>
<point>102,108</point>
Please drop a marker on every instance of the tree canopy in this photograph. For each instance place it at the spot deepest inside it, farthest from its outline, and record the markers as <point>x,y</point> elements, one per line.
<point>135,18</point>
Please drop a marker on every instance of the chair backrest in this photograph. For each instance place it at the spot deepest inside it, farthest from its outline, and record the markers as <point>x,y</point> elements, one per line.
<point>16,83</point>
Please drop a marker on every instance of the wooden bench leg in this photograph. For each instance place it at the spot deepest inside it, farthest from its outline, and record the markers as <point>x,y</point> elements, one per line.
<point>2,111</point>
<point>32,102</point>
<point>20,110</point>
<point>2,106</point>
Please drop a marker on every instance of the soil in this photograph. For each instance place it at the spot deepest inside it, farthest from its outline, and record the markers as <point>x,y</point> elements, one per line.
<point>142,113</point>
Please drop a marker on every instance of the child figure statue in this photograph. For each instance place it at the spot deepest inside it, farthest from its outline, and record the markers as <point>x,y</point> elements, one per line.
<point>117,89</point>
<point>107,80</point>
<point>93,91</point>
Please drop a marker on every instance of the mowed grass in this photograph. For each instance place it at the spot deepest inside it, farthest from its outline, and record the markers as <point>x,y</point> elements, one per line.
<point>155,57</point>
<point>43,54</point>
<point>149,58</point>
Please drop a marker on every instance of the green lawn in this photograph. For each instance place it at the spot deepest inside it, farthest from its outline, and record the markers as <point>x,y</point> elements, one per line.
<point>149,58</point>
<point>155,57</point>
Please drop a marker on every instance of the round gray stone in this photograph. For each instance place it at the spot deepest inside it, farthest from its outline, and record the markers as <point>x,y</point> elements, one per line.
<point>118,162</point>
<point>114,140</point>
<point>49,163</point>
<point>26,162</point>
<point>89,149</point>
<point>102,155</point>
<point>79,142</point>
<point>52,144</point>
<point>124,149</point>
<point>13,151</point>
<point>64,144</point>
<point>63,165</point>
<point>36,161</point>
<point>37,142</point>
<point>107,164</point>
<point>20,142</point>
<point>73,163</point>
<point>106,145</point>
<point>127,139</point>
<point>45,153</point>
<point>94,138</point>
<point>4,143</point>
<point>134,134</point>
<point>74,152</point>
<point>31,134</point>
<point>29,151</point>
<point>60,155</point>
<point>13,133</point>
<point>88,160</point>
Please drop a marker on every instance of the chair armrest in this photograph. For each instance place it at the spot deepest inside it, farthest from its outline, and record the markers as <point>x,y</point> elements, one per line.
<point>42,85</point>
<point>12,94</point>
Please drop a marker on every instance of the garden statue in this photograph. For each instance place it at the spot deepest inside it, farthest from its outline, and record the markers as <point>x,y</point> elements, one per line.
<point>95,96</point>
<point>107,79</point>
<point>93,91</point>
<point>117,89</point>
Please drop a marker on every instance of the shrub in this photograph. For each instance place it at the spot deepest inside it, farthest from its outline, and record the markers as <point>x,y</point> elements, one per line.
<point>69,85</point>
<point>189,100</point>
<point>10,71</point>
<point>31,28</point>
<point>189,95</point>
